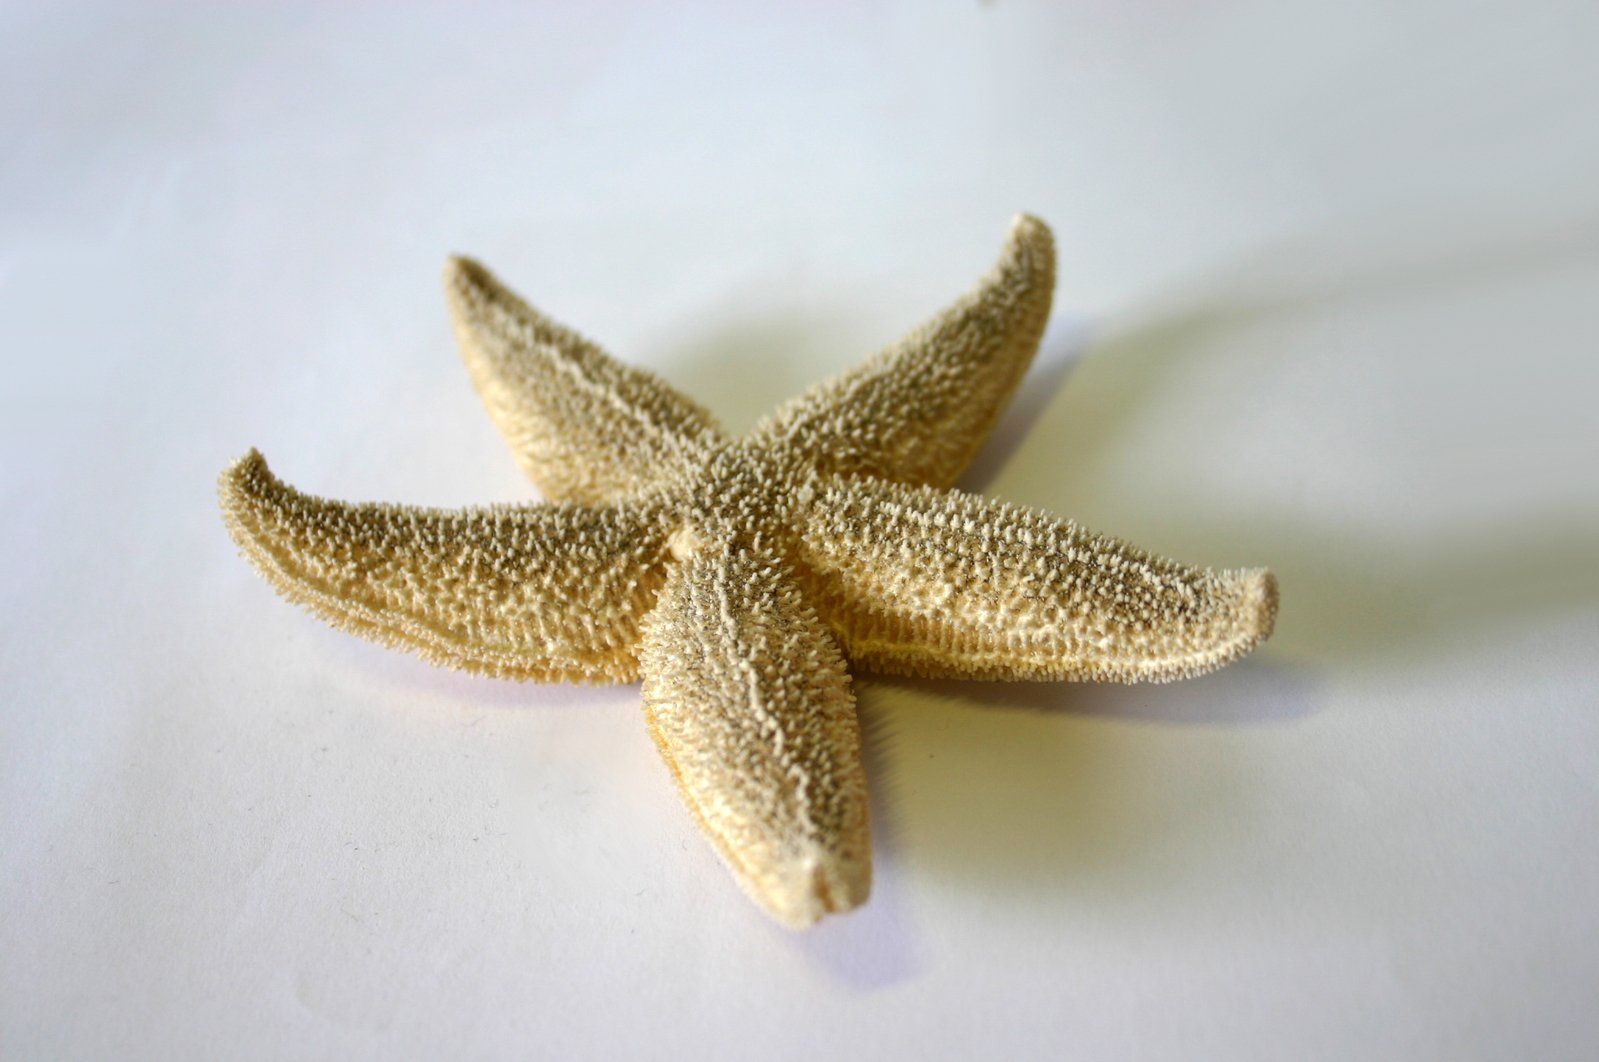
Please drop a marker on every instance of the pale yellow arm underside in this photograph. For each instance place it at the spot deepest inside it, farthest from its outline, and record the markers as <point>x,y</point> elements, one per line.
<point>748,698</point>
<point>918,411</point>
<point>545,592</point>
<point>583,426</point>
<point>947,584</point>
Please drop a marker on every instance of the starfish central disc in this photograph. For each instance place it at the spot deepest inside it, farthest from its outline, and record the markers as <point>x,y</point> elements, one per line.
<point>745,494</point>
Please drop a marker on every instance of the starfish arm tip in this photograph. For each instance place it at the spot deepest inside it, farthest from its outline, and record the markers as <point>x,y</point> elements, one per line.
<point>242,478</point>
<point>1262,592</point>
<point>811,887</point>
<point>1031,240</point>
<point>1246,611</point>
<point>1023,223</point>
<point>252,456</point>
<point>466,280</point>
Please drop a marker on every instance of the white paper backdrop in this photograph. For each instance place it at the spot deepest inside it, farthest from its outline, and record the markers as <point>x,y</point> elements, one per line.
<point>1329,303</point>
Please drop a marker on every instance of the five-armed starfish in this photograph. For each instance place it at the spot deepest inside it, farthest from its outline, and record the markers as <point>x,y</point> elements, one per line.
<point>737,576</point>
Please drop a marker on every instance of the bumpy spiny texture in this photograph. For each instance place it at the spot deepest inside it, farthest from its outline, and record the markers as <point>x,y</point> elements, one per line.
<point>749,701</point>
<point>951,585</point>
<point>918,412</point>
<point>737,576</point>
<point>583,426</point>
<point>550,592</point>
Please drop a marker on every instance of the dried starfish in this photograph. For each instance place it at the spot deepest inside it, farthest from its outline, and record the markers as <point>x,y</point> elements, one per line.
<point>737,576</point>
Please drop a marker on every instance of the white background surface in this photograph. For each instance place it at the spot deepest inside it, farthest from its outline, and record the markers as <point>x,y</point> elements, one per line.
<point>1329,303</point>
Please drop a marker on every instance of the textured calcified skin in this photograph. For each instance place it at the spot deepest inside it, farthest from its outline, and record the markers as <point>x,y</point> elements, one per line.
<point>950,585</point>
<point>548,592</point>
<point>736,577</point>
<point>750,703</point>
<point>918,412</point>
<point>583,426</point>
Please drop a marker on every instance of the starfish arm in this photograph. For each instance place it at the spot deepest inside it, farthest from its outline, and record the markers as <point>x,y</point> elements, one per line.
<point>544,592</point>
<point>918,411</point>
<point>582,425</point>
<point>947,584</point>
<point>749,701</point>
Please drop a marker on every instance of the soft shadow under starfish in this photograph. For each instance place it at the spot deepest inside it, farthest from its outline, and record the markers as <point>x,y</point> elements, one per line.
<point>737,576</point>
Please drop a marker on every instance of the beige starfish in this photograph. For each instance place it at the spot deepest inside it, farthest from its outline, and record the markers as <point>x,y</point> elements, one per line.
<point>737,576</point>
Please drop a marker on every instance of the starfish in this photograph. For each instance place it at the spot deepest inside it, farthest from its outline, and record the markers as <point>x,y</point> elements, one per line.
<point>740,577</point>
